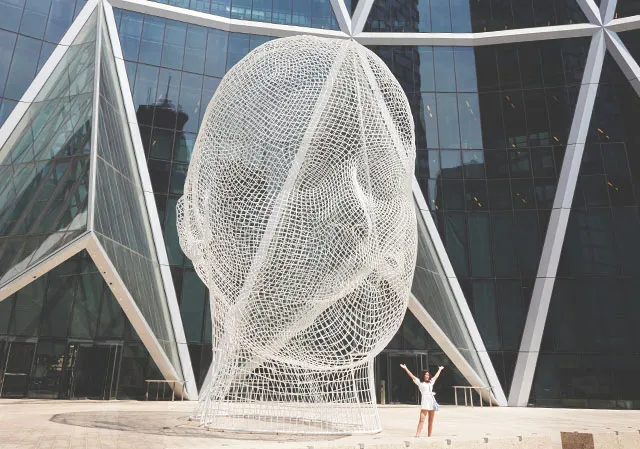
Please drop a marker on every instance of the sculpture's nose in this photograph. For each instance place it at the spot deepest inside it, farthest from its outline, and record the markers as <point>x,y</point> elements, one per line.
<point>358,215</point>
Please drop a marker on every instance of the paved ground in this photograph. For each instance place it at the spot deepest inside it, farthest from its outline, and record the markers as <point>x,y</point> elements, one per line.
<point>128,424</point>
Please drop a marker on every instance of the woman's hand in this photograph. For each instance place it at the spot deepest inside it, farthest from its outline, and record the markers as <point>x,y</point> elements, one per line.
<point>403,366</point>
<point>440,368</point>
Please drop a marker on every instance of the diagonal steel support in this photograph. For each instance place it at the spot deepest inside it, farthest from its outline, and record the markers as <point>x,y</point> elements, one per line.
<point>554,239</point>
<point>360,15</point>
<point>590,9</point>
<point>342,15</point>
<point>607,10</point>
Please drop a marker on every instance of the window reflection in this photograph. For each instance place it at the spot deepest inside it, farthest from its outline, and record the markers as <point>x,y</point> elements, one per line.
<point>490,133</point>
<point>463,16</point>
<point>308,13</point>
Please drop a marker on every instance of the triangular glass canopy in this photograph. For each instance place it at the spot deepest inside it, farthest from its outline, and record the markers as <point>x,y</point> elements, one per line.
<point>121,220</point>
<point>70,180</point>
<point>432,290</point>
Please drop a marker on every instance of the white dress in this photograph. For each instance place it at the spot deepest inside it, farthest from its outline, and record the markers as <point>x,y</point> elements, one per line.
<point>426,389</point>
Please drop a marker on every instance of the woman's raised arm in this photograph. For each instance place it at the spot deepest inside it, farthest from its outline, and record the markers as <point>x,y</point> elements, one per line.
<point>435,377</point>
<point>404,367</point>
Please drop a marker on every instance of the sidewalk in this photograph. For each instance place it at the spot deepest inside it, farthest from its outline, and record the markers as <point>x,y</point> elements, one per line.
<point>27,424</point>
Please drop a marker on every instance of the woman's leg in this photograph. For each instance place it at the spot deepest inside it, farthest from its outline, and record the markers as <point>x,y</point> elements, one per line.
<point>423,414</point>
<point>432,414</point>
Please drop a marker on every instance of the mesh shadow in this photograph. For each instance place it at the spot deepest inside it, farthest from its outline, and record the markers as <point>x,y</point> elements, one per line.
<point>169,424</point>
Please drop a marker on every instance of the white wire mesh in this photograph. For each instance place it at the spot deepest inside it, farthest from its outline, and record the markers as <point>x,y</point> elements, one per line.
<point>298,215</point>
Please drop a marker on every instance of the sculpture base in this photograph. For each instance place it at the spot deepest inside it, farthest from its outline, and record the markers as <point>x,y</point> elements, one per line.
<point>293,418</point>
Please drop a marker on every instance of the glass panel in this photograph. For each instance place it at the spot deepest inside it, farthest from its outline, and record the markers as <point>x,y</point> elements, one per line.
<point>174,45</point>
<point>112,318</point>
<point>60,18</point>
<point>151,40</point>
<point>130,28</point>
<point>6,310</point>
<point>238,48</point>
<point>192,306</point>
<point>485,312</point>
<point>86,305</point>
<point>7,43</point>
<point>215,62</point>
<point>61,288</point>
<point>28,305</point>
<point>195,49</point>
<point>136,366</point>
<point>23,67</point>
<point>10,14</point>
<point>19,361</point>
<point>46,374</point>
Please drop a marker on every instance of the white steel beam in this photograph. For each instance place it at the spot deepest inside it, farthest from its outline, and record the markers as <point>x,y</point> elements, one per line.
<point>590,9</point>
<point>151,208</point>
<point>93,157</point>
<point>357,23</point>
<point>460,300</point>
<point>479,39</point>
<point>360,15</point>
<point>624,24</point>
<point>554,239</point>
<point>221,23</point>
<point>342,16</point>
<point>607,10</point>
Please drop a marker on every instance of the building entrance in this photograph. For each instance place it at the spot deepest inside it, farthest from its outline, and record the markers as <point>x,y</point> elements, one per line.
<point>15,365</point>
<point>93,370</point>
<point>392,383</point>
<point>58,370</point>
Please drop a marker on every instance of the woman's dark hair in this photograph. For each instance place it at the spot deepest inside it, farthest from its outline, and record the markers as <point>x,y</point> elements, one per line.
<point>425,372</point>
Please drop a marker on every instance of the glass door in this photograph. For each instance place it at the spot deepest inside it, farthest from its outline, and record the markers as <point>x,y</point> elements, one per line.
<point>392,383</point>
<point>14,379</point>
<point>94,370</point>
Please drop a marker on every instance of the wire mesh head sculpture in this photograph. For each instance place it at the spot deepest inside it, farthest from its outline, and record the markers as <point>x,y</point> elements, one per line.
<point>298,215</point>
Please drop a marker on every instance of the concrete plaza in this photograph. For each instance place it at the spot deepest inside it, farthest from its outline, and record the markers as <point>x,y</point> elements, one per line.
<point>129,424</point>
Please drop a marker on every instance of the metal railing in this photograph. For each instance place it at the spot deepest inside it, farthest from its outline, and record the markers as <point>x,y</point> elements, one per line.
<point>164,385</point>
<point>471,389</point>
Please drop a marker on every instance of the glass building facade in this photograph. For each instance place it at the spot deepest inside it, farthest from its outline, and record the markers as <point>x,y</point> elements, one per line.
<point>29,31</point>
<point>494,125</point>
